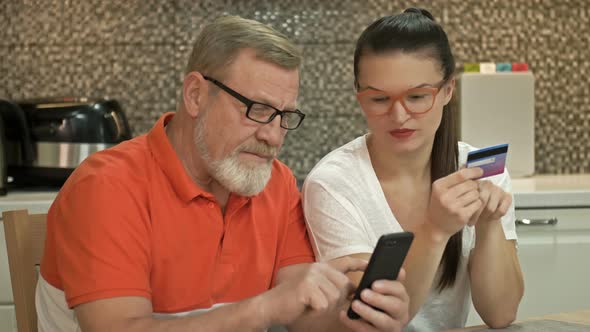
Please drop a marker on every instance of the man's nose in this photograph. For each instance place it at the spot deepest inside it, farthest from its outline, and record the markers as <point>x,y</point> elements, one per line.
<point>272,133</point>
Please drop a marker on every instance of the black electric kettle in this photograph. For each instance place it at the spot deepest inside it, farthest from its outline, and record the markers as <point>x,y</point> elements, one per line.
<point>3,176</point>
<point>46,139</point>
<point>11,113</point>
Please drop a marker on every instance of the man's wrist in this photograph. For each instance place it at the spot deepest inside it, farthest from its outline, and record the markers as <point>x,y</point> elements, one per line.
<point>262,310</point>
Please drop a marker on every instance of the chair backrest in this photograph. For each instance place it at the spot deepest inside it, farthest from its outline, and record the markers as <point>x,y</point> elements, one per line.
<point>25,240</point>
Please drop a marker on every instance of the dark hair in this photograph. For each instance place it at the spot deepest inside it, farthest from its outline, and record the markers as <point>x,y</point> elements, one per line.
<point>415,31</point>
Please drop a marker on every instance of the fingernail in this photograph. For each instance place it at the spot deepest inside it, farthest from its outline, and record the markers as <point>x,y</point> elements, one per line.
<point>366,294</point>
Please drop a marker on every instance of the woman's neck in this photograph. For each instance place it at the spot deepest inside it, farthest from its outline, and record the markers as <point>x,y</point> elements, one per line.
<point>413,166</point>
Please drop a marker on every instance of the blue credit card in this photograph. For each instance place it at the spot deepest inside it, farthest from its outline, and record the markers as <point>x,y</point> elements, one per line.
<point>491,159</point>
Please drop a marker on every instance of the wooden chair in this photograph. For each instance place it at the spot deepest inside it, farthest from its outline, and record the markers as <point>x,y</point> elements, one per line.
<point>25,240</point>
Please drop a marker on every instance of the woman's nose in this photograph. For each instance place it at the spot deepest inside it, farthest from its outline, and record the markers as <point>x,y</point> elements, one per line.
<point>398,112</point>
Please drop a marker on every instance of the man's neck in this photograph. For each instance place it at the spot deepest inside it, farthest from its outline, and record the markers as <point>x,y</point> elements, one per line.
<point>195,167</point>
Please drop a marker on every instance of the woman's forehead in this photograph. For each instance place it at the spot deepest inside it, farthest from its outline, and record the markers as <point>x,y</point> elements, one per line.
<point>398,70</point>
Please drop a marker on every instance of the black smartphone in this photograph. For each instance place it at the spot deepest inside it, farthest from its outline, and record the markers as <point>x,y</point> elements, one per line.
<point>385,262</point>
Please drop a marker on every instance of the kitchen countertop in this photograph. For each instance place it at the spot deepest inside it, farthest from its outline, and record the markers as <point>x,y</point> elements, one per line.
<point>36,200</point>
<point>41,195</point>
<point>552,191</point>
<point>33,195</point>
<point>572,190</point>
<point>581,319</point>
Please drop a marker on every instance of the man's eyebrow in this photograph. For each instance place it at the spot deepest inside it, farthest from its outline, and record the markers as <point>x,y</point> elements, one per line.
<point>263,100</point>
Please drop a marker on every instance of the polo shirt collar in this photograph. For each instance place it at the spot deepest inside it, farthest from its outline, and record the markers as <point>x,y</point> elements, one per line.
<point>169,162</point>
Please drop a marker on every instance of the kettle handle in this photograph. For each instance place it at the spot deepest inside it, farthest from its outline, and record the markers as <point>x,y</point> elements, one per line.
<point>12,113</point>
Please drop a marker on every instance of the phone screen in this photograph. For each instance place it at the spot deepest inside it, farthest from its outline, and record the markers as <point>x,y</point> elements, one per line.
<point>385,263</point>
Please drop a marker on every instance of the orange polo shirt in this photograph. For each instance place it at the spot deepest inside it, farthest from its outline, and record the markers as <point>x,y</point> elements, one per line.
<point>130,222</point>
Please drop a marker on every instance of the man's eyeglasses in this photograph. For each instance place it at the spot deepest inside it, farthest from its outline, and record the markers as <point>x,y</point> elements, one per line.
<point>263,113</point>
<point>414,101</point>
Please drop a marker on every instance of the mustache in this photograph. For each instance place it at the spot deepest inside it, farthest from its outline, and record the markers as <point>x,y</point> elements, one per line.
<point>260,148</point>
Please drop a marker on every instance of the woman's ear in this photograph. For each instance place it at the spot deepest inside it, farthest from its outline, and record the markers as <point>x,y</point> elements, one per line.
<point>448,90</point>
<point>194,93</point>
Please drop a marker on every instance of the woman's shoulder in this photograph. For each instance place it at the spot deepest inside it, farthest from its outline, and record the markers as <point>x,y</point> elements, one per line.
<point>342,163</point>
<point>464,149</point>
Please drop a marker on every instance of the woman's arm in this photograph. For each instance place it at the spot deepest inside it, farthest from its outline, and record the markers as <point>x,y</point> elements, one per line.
<point>421,265</point>
<point>497,284</point>
<point>453,204</point>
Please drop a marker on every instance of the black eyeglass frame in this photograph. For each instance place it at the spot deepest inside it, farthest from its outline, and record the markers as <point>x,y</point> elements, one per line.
<point>249,103</point>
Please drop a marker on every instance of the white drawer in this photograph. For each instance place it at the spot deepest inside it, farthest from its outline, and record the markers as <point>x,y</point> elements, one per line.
<point>567,218</point>
<point>553,226</point>
<point>553,258</point>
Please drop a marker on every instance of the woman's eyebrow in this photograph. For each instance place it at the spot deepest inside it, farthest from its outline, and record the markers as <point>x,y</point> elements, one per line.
<point>369,87</point>
<point>373,88</point>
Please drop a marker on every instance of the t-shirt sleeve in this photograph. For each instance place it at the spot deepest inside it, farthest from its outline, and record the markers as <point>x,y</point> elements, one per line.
<point>509,220</point>
<point>334,224</point>
<point>102,234</point>
<point>296,248</point>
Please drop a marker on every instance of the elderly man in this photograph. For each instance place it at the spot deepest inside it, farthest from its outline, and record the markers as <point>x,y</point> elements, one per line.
<point>198,216</point>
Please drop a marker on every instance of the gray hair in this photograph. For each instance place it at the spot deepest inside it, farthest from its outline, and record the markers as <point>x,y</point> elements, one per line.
<point>219,43</point>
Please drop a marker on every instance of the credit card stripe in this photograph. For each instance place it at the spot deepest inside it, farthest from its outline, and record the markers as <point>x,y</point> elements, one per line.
<point>493,147</point>
<point>482,154</point>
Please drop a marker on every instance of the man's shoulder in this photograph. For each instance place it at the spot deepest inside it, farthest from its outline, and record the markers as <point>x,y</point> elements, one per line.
<point>126,162</point>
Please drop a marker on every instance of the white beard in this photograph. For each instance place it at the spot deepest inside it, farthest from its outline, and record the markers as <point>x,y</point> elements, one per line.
<point>237,177</point>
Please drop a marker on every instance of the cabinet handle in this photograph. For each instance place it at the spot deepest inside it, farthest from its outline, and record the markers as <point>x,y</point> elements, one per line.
<point>536,222</point>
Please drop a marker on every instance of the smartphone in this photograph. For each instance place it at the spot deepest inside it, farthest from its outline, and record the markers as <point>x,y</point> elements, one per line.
<point>385,262</point>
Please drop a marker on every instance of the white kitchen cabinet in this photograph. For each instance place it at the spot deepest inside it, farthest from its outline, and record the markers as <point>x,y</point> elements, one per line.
<point>7,318</point>
<point>553,244</point>
<point>554,254</point>
<point>555,261</point>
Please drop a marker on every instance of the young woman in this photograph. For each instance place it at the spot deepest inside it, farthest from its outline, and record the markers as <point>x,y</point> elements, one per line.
<point>408,173</point>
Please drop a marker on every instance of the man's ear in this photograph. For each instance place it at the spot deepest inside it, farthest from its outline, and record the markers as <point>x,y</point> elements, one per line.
<point>448,90</point>
<point>194,93</point>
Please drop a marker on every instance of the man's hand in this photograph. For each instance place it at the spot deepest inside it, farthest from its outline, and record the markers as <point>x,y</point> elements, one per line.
<point>388,296</point>
<point>317,289</point>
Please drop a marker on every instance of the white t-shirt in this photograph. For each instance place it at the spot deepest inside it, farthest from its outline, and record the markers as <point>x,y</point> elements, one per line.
<point>53,313</point>
<point>346,212</point>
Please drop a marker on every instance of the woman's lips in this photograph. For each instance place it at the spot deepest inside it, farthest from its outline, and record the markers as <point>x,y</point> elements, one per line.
<point>402,133</point>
